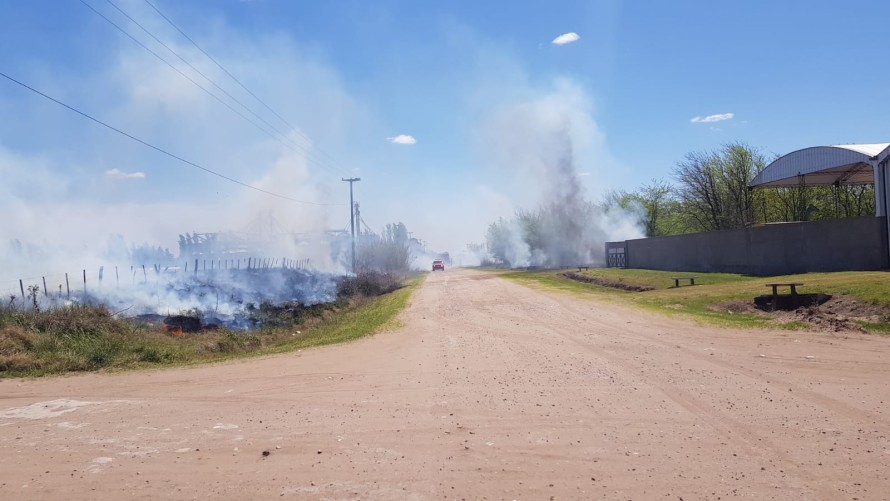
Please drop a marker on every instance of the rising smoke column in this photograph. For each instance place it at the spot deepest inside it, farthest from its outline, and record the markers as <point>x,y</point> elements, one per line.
<point>542,142</point>
<point>566,209</point>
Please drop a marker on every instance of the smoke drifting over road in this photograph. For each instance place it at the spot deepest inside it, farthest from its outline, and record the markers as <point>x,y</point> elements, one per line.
<point>542,143</point>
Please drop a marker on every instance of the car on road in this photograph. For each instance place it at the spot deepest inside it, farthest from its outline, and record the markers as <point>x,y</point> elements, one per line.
<point>438,264</point>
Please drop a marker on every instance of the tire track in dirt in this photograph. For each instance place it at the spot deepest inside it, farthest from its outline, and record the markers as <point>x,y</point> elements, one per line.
<point>725,423</point>
<point>849,411</point>
<point>527,314</point>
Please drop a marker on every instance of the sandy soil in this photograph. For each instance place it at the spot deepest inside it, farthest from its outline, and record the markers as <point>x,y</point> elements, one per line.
<point>490,391</point>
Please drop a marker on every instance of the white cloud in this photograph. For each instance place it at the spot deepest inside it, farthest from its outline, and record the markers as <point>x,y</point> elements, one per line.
<point>119,174</point>
<point>402,139</point>
<point>712,118</point>
<point>566,38</point>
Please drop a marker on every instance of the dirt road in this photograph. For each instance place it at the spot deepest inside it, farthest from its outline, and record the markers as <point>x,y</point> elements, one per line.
<point>489,391</point>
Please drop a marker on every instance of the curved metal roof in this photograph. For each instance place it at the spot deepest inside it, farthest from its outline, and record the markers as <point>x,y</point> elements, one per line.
<point>824,165</point>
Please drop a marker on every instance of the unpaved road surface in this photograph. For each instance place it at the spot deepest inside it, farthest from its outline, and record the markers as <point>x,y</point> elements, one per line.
<point>490,391</point>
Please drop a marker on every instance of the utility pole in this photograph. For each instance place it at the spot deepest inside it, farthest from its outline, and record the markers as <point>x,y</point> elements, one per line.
<point>358,219</point>
<point>352,217</point>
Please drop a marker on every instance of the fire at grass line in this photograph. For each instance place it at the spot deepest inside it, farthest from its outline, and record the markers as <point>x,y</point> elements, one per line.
<point>82,336</point>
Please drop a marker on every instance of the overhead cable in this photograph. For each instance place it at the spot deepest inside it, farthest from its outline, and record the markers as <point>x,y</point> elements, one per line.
<point>284,137</point>
<point>190,79</point>
<point>236,80</point>
<point>159,149</point>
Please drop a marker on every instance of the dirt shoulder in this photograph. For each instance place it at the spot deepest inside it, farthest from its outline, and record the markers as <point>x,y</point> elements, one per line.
<point>490,390</point>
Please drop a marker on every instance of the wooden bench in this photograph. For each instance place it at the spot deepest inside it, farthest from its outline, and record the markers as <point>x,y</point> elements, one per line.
<point>792,286</point>
<point>583,267</point>
<point>677,280</point>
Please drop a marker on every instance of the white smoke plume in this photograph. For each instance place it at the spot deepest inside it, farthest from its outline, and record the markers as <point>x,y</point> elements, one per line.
<point>75,196</point>
<point>541,144</point>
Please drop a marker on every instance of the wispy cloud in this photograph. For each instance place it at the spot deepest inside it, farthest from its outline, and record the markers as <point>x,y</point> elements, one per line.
<point>119,174</point>
<point>402,139</point>
<point>566,38</point>
<point>712,118</point>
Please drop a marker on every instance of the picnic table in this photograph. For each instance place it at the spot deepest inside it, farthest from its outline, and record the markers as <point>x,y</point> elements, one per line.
<point>792,286</point>
<point>677,280</point>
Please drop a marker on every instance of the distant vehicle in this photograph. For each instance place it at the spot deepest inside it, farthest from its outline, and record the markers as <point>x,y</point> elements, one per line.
<point>438,265</point>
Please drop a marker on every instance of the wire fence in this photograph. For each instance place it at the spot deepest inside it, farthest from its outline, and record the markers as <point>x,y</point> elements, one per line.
<point>65,285</point>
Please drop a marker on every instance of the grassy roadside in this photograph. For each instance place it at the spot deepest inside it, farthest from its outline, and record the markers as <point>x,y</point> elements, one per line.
<point>90,338</point>
<point>714,297</point>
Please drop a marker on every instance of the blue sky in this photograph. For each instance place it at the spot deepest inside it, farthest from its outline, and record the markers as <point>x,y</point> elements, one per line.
<point>474,83</point>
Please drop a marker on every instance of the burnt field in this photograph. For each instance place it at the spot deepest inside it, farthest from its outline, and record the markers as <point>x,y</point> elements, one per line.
<point>255,302</point>
<point>232,299</point>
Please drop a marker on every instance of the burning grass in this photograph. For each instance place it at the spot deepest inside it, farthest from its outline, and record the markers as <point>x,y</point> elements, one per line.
<point>91,337</point>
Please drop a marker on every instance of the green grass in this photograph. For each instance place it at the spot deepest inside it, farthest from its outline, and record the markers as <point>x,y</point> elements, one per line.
<point>702,302</point>
<point>80,338</point>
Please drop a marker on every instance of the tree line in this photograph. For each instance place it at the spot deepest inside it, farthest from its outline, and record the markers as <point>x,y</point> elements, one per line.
<point>706,191</point>
<point>709,191</point>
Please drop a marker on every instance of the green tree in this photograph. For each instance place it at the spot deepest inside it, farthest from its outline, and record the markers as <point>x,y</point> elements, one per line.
<point>712,187</point>
<point>657,203</point>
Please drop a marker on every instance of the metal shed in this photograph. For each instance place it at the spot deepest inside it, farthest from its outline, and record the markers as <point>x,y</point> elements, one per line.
<point>834,165</point>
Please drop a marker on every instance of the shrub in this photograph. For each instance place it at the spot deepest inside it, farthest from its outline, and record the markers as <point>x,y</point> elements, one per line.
<point>76,320</point>
<point>232,343</point>
<point>369,284</point>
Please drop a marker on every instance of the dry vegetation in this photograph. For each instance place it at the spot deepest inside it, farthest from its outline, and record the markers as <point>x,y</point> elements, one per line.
<point>81,338</point>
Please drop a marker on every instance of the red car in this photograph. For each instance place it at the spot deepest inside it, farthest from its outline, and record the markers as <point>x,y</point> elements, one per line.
<point>438,265</point>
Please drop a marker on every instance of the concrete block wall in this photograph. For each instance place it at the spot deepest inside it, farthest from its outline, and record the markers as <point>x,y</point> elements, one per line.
<point>771,249</point>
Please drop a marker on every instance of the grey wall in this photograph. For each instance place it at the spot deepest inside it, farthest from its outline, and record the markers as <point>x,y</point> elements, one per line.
<point>772,249</point>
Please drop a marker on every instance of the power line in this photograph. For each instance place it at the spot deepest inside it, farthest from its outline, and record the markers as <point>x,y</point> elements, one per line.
<point>190,79</point>
<point>157,148</point>
<point>236,80</point>
<point>224,91</point>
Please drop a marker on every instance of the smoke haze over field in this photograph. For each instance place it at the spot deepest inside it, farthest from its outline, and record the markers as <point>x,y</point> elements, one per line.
<point>70,184</point>
<point>453,114</point>
<point>487,139</point>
